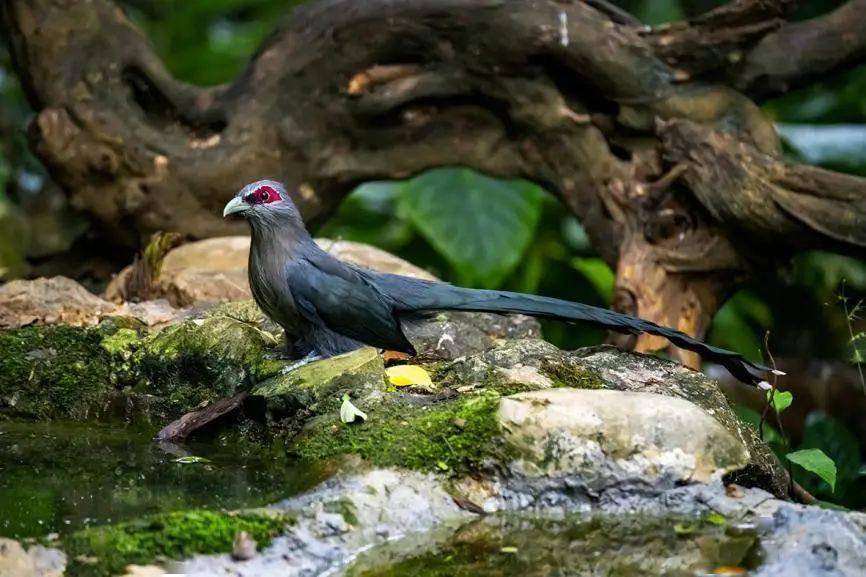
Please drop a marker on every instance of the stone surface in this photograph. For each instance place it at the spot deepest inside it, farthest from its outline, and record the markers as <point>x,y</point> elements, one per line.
<point>321,384</point>
<point>343,518</point>
<point>451,335</point>
<point>647,373</point>
<point>37,561</point>
<point>50,301</point>
<point>602,438</point>
<point>387,522</point>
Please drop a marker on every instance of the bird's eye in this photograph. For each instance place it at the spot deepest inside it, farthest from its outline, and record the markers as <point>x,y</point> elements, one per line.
<point>265,194</point>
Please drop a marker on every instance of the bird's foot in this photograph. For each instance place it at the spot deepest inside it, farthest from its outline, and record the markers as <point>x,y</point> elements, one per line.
<point>277,355</point>
<point>300,363</point>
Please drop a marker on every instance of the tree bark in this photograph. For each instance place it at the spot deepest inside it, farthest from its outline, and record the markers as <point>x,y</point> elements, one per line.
<point>678,182</point>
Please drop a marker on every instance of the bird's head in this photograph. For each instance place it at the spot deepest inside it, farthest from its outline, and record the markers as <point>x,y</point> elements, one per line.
<point>263,200</point>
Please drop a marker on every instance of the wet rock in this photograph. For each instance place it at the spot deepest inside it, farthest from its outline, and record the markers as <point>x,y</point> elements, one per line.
<point>805,541</point>
<point>115,370</point>
<point>647,373</point>
<point>344,517</point>
<point>604,438</point>
<point>37,561</point>
<point>394,522</point>
<point>318,386</point>
<point>50,301</point>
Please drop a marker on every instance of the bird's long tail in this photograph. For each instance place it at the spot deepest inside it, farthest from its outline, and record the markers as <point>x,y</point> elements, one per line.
<point>435,296</point>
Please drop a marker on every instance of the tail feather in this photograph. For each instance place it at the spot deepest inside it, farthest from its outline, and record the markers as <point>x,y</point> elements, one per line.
<point>448,297</point>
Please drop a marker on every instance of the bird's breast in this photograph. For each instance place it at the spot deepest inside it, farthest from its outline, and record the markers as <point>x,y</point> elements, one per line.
<point>272,293</point>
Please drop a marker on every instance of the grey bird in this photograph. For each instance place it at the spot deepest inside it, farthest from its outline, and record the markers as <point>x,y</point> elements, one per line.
<point>334,307</point>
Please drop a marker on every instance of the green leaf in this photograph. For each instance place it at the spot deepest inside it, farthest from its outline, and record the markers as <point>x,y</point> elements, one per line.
<point>480,225</point>
<point>815,461</point>
<point>781,399</point>
<point>824,432</point>
<point>349,412</point>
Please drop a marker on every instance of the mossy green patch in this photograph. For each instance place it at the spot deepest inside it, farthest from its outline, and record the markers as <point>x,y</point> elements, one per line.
<point>461,434</point>
<point>122,342</point>
<point>50,372</point>
<point>105,551</point>
<point>573,375</point>
<point>493,381</point>
<point>202,360</point>
<point>319,386</point>
<point>53,372</point>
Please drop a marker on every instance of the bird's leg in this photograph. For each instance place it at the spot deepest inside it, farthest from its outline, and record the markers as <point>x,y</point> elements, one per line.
<point>309,358</point>
<point>278,354</point>
<point>290,350</point>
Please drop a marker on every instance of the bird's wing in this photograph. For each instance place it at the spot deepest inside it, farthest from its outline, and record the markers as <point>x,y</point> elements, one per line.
<point>330,294</point>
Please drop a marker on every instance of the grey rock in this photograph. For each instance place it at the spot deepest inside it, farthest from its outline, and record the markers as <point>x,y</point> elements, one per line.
<point>599,438</point>
<point>452,335</point>
<point>344,517</point>
<point>646,373</point>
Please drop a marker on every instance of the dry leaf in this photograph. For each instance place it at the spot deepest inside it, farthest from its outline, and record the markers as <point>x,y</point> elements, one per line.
<point>405,375</point>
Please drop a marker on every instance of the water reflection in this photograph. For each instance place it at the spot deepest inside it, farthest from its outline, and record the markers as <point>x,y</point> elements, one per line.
<point>56,477</point>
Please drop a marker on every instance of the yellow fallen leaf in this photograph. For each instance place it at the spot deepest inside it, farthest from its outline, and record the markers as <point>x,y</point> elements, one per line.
<point>729,570</point>
<point>405,375</point>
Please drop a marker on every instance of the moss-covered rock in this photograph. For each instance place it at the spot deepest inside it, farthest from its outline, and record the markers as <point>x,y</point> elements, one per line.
<point>55,371</point>
<point>319,386</point>
<point>79,373</point>
<point>106,550</point>
<point>460,434</point>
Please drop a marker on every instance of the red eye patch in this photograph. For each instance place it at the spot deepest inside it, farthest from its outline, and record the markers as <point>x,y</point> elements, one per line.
<point>262,195</point>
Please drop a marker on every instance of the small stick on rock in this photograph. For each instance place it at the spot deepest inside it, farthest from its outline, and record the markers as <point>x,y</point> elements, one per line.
<point>181,428</point>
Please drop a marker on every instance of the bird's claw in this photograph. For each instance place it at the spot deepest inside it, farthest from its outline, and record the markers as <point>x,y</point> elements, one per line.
<point>277,355</point>
<point>300,363</point>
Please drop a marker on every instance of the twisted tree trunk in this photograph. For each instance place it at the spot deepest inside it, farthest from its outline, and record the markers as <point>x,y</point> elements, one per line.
<point>678,181</point>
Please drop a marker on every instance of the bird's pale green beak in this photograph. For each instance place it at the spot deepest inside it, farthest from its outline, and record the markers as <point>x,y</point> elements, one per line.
<point>235,206</point>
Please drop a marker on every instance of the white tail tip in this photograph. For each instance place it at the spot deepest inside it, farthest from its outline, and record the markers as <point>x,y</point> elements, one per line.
<point>765,386</point>
<point>778,372</point>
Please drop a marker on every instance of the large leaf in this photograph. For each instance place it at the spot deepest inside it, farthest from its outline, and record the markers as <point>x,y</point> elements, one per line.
<point>835,440</point>
<point>815,461</point>
<point>481,225</point>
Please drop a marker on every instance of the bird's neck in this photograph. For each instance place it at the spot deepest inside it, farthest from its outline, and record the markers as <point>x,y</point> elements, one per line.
<point>278,240</point>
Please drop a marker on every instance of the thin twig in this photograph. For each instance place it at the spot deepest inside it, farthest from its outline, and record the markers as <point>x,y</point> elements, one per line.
<point>771,401</point>
<point>848,316</point>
